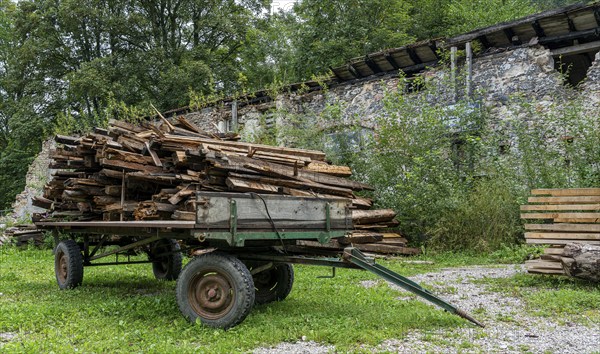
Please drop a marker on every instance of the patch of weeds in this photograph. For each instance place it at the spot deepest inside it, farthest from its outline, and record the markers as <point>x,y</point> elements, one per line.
<point>551,295</point>
<point>505,317</point>
<point>480,311</point>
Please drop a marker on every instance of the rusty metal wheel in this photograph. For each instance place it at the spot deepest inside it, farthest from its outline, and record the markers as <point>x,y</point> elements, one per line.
<point>272,284</point>
<point>166,259</point>
<point>68,264</point>
<point>216,289</point>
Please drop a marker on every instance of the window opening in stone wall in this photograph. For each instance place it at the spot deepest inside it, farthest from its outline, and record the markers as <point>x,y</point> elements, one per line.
<point>574,67</point>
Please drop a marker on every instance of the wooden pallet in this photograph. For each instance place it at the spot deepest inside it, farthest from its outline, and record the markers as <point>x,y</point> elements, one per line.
<point>558,217</point>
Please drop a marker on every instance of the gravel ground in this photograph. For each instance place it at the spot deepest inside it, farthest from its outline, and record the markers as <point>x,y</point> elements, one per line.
<point>509,329</point>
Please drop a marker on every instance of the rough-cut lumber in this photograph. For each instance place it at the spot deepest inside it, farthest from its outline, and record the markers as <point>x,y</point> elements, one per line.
<point>565,200</point>
<point>313,154</point>
<point>341,171</point>
<point>368,247</point>
<point>287,171</point>
<point>557,241</point>
<point>240,185</point>
<point>592,216</point>
<point>297,184</point>
<point>567,192</point>
<point>372,216</point>
<point>361,237</point>
<point>562,235</point>
<point>560,207</point>
<point>130,166</point>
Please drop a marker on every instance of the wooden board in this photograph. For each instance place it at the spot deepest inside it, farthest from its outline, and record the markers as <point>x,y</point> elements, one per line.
<point>562,235</point>
<point>563,227</point>
<point>537,263</point>
<point>553,251</point>
<point>567,192</point>
<point>560,207</point>
<point>591,216</point>
<point>558,241</point>
<point>563,200</point>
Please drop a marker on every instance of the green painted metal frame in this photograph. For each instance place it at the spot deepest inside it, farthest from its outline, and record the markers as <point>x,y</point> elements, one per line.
<point>237,238</point>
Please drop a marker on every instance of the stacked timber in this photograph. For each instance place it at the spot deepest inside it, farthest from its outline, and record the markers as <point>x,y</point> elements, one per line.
<point>152,171</point>
<point>558,217</point>
<point>24,235</point>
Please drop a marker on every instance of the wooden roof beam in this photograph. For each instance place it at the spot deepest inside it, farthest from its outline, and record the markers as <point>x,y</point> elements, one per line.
<point>433,48</point>
<point>571,25</point>
<point>353,71</point>
<point>484,41</point>
<point>539,31</point>
<point>337,76</point>
<point>413,56</point>
<point>512,37</point>
<point>372,65</point>
<point>390,59</point>
<point>594,32</point>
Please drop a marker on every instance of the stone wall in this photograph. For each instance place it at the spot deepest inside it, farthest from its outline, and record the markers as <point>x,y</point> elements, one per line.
<point>527,71</point>
<point>37,176</point>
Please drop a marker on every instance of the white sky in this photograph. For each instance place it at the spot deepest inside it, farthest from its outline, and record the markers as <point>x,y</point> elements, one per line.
<point>285,5</point>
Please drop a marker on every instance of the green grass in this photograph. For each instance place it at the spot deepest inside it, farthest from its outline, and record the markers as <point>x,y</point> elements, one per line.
<point>124,309</point>
<point>553,296</point>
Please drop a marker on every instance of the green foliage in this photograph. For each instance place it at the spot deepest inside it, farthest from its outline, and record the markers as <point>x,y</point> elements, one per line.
<point>485,218</point>
<point>327,33</point>
<point>466,15</point>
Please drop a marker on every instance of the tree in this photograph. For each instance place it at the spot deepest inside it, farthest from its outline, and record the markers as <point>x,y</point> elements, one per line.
<point>328,33</point>
<point>466,15</point>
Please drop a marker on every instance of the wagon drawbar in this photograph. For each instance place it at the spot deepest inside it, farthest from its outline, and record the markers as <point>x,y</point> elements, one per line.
<point>243,248</point>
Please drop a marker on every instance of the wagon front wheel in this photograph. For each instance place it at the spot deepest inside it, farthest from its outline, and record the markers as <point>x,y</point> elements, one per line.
<point>68,264</point>
<point>216,289</point>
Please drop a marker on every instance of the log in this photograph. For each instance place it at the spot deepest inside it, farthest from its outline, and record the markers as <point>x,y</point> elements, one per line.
<point>581,261</point>
<point>372,216</point>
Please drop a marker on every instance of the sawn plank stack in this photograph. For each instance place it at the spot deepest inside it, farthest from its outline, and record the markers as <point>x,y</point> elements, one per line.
<point>557,217</point>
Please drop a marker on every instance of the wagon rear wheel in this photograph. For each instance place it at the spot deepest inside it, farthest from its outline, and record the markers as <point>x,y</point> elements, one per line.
<point>166,259</point>
<point>273,284</point>
<point>68,264</point>
<point>216,289</point>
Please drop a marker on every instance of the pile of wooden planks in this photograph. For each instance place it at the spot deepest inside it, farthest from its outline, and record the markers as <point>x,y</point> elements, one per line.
<point>24,235</point>
<point>562,216</point>
<point>152,170</point>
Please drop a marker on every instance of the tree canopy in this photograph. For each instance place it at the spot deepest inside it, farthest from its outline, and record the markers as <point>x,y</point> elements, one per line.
<point>67,64</point>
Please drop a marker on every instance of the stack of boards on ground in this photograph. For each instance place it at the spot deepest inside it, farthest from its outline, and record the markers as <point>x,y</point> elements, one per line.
<point>559,217</point>
<point>23,235</point>
<point>152,171</point>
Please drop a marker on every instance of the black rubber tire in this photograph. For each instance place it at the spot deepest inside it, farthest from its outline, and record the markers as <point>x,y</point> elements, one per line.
<point>169,266</point>
<point>217,289</point>
<point>273,284</point>
<point>68,264</point>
